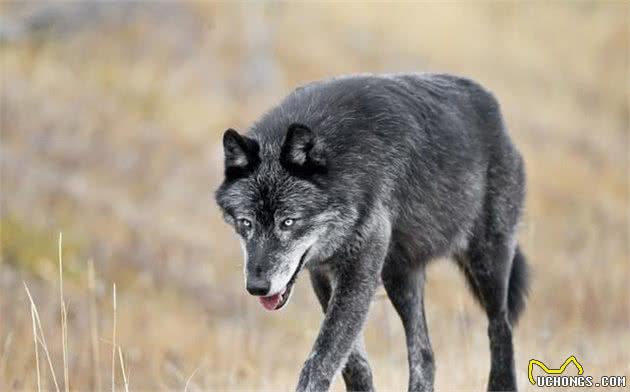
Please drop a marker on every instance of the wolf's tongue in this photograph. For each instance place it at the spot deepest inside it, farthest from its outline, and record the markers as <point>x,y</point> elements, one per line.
<point>271,302</point>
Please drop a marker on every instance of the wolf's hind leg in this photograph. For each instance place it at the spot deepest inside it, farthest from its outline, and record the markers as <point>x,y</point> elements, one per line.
<point>404,284</point>
<point>487,266</point>
<point>357,374</point>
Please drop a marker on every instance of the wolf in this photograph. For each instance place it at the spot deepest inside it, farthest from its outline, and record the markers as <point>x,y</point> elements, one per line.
<point>362,180</point>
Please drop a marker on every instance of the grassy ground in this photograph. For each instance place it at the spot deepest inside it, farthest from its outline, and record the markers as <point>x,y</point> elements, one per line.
<point>111,119</point>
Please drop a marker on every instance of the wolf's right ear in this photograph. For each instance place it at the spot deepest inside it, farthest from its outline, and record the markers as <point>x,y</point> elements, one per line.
<point>302,151</point>
<point>241,154</point>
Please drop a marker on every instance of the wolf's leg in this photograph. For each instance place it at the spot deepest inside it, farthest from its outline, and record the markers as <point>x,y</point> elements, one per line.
<point>487,265</point>
<point>404,284</point>
<point>356,281</point>
<point>357,374</point>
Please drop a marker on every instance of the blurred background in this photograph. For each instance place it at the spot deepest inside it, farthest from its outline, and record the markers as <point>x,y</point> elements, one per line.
<point>111,123</point>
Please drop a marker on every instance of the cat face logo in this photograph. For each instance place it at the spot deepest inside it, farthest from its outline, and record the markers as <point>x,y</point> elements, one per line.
<point>547,370</point>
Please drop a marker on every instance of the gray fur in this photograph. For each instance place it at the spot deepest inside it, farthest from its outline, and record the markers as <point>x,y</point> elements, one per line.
<point>379,174</point>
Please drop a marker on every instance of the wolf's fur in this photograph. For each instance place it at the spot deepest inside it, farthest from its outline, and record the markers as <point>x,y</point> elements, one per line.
<point>381,174</point>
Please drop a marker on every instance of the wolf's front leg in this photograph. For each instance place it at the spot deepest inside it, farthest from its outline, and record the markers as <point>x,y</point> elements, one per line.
<point>356,372</point>
<point>357,279</point>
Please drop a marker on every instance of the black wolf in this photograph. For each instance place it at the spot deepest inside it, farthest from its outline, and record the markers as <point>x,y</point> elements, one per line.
<point>364,179</point>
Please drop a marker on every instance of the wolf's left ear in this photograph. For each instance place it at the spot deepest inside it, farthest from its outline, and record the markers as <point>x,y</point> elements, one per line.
<point>302,150</point>
<point>241,153</point>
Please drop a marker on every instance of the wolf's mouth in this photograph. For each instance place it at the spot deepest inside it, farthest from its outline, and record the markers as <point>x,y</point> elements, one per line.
<point>277,301</point>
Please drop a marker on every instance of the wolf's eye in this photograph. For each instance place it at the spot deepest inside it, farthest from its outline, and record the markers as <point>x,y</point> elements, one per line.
<point>288,222</point>
<point>245,223</point>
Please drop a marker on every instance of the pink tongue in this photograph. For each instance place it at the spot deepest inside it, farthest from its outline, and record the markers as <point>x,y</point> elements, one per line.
<point>271,302</point>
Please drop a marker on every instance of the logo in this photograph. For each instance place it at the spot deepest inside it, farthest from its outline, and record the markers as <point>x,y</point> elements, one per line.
<point>545,369</point>
<point>556,377</point>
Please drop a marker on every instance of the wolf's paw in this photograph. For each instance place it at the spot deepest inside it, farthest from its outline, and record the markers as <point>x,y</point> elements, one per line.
<point>312,379</point>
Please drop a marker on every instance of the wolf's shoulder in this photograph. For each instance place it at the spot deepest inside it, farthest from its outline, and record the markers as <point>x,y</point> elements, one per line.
<point>444,82</point>
<point>426,86</point>
<point>420,79</point>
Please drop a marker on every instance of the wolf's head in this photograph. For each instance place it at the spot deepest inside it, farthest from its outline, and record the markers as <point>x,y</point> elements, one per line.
<point>274,196</point>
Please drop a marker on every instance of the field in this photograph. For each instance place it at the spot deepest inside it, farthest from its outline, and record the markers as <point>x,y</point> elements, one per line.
<point>111,117</point>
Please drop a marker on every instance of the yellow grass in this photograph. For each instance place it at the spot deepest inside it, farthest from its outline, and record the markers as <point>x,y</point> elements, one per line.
<point>95,350</point>
<point>39,336</point>
<point>39,378</point>
<point>114,340</point>
<point>110,132</point>
<point>64,322</point>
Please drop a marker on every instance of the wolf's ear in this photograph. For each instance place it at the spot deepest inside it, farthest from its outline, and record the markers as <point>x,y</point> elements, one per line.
<point>302,150</point>
<point>241,153</point>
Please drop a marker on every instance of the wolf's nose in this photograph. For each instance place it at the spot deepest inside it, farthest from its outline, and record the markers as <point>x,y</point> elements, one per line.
<point>258,286</point>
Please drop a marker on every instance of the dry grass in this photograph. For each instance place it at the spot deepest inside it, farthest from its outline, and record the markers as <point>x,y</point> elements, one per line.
<point>110,133</point>
<point>38,335</point>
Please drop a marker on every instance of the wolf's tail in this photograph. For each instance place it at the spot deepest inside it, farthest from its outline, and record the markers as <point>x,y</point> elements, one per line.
<point>518,286</point>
